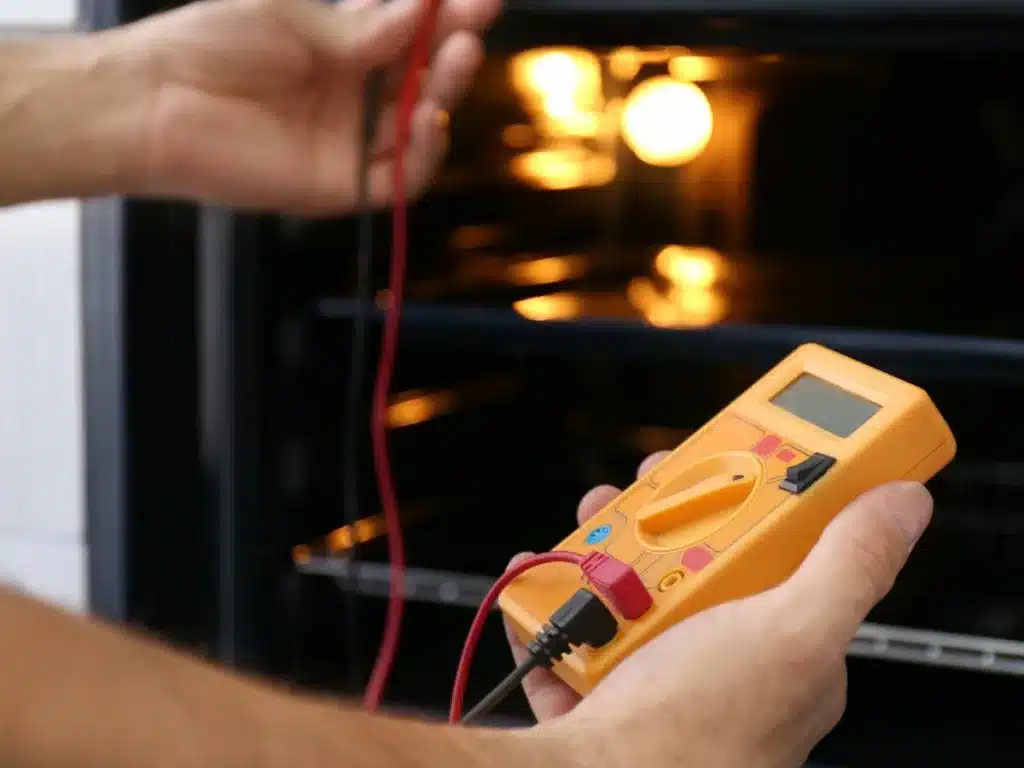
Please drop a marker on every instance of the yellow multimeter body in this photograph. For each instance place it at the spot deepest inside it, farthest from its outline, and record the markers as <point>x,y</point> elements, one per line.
<point>736,508</point>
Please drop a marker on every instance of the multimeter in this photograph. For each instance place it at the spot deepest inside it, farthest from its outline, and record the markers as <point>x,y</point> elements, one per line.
<point>736,508</point>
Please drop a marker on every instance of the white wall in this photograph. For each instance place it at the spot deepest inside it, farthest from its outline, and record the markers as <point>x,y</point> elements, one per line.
<point>33,14</point>
<point>42,507</point>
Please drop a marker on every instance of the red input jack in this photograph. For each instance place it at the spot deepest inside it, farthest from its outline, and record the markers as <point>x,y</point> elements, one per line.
<point>618,583</point>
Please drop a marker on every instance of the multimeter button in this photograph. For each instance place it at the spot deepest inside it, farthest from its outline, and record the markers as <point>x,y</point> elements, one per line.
<point>767,445</point>
<point>696,559</point>
<point>599,534</point>
<point>806,473</point>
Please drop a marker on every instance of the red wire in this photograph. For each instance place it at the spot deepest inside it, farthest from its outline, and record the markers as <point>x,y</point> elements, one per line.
<point>385,368</point>
<point>484,611</point>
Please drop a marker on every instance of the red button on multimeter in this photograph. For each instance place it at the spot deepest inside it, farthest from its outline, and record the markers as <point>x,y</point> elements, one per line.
<point>767,445</point>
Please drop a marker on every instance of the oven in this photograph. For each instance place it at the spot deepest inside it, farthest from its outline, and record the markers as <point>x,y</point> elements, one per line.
<point>646,205</point>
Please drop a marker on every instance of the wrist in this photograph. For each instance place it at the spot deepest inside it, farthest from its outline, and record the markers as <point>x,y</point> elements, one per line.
<point>72,117</point>
<point>578,742</point>
<point>413,743</point>
<point>544,746</point>
<point>540,746</point>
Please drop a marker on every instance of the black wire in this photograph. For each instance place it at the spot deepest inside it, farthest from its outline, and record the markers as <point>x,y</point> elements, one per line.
<point>504,689</point>
<point>357,360</point>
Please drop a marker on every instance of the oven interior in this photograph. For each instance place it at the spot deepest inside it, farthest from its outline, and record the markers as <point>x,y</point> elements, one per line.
<point>624,237</point>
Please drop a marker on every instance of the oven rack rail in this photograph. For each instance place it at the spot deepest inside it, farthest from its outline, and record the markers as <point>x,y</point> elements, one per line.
<point>874,641</point>
<point>904,353</point>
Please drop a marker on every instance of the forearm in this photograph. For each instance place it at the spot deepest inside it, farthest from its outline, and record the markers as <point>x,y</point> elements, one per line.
<point>74,692</point>
<point>71,111</point>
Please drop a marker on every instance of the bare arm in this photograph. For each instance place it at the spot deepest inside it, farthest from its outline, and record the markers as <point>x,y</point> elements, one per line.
<point>70,113</point>
<point>75,692</point>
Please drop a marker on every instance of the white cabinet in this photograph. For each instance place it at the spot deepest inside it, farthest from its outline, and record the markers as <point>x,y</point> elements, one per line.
<point>42,509</point>
<point>41,451</point>
<point>38,13</point>
<point>48,568</point>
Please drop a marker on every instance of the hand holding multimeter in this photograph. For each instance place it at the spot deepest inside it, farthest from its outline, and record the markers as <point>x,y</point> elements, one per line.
<point>736,508</point>
<point>755,682</point>
<point>734,513</point>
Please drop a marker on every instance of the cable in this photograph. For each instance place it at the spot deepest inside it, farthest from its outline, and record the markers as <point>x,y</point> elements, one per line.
<point>619,583</point>
<point>476,629</point>
<point>357,362</point>
<point>503,690</point>
<point>408,96</point>
<point>582,620</point>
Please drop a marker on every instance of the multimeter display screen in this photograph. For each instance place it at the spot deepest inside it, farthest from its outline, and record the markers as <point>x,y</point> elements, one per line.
<point>825,405</point>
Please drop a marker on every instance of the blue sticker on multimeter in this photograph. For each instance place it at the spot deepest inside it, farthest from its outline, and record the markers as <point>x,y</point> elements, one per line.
<point>599,534</point>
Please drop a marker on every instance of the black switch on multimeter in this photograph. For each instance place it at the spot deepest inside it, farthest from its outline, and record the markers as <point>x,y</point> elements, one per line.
<point>806,473</point>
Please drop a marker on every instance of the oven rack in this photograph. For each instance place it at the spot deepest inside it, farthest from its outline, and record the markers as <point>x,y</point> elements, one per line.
<point>875,641</point>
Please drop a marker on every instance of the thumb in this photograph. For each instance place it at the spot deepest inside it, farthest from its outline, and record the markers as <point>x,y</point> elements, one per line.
<point>369,31</point>
<point>857,559</point>
<point>548,696</point>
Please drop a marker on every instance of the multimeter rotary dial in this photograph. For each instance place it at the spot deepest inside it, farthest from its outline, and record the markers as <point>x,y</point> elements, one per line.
<point>698,501</point>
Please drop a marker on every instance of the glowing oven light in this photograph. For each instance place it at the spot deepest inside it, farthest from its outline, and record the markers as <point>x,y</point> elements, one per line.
<point>563,85</point>
<point>693,69</point>
<point>543,271</point>
<point>414,408</point>
<point>566,168</point>
<point>559,73</point>
<point>677,307</point>
<point>667,122</point>
<point>691,298</point>
<point>689,266</point>
<point>624,63</point>
<point>554,306</point>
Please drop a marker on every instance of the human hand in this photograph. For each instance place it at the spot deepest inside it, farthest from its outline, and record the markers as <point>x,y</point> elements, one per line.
<point>258,103</point>
<point>548,696</point>
<point>756,682</point>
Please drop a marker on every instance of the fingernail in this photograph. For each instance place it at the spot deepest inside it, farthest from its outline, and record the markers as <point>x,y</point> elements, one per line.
<point>911,505</point>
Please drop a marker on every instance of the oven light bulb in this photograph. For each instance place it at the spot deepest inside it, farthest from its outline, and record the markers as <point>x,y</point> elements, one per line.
<point>667,122</point>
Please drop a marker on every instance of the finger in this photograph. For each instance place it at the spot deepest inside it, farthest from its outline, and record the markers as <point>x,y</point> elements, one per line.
<point>454,70</point>
<point>370,33</point>
<point>448,81</point>
<point>548,696</point>
<point>426,150</point>
<point>519,650</point>
<point>651,462</point>
<point>454,17</point>
<point>465,15</point>
<point>353,5</point>
<point>854,564</point>
<point>596,499</point>
<point>473,16</point>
